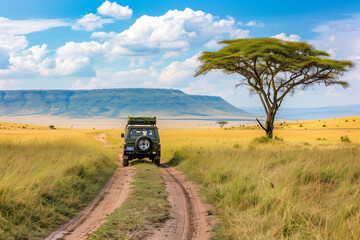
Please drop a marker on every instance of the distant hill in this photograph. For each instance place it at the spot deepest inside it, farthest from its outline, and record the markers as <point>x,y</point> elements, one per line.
<point>113,103</point>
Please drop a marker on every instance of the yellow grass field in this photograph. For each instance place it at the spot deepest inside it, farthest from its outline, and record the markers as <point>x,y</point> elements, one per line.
<point>46,177</point>
<point>303,186</point>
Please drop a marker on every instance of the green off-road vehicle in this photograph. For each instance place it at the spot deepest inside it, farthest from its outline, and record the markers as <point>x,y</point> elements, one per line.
<point>142,140</point>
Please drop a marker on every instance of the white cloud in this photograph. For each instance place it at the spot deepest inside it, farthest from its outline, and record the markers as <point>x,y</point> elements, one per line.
<point>255,23</point>
<point>18,27</point>
<point>103,35</point>
<point>90,22</point>
<point>343,35</point>
<point>212,44</point>
<point>174,31</point>
<point>291,38</point>
<point>171,54</point>
<point>341,38</point>
<point>115,10</point>
<point>74,59</point>
<point>8,44</point>
<point>178,71</point>
<point>130,78</point>
<point>137,62</point>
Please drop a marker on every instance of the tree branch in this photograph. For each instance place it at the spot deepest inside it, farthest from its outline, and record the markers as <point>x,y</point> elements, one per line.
<point>261,125</point>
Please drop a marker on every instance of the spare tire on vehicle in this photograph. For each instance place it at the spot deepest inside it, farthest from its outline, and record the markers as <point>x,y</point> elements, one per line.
<point>143,144</point>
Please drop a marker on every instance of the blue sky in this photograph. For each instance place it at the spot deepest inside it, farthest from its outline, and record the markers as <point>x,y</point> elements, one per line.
<point>105,44</point>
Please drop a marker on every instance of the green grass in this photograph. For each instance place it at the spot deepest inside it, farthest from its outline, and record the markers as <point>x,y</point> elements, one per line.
<point>46,178</point>
<point>276,189</point>
<point>145,209</point>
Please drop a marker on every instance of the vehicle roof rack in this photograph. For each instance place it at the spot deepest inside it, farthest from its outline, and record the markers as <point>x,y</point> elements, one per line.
<point>141,121</point>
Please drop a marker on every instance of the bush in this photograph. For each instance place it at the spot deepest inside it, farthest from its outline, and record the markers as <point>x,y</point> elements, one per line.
<point>345,139</point>
<point>324,125</point>
<point>262,139</point>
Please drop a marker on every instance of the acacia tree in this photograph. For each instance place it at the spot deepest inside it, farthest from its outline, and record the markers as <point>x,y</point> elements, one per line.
<point>222,123</point>
<point>272,68</point>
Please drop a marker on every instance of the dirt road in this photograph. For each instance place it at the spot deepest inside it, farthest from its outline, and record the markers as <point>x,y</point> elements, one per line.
<point>190,217</point>
<point>112,196</point>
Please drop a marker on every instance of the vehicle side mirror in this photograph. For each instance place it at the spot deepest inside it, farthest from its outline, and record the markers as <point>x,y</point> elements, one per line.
<point>123,135</point>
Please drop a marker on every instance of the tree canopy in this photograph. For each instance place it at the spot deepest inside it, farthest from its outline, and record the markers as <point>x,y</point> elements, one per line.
<point>272,68</point>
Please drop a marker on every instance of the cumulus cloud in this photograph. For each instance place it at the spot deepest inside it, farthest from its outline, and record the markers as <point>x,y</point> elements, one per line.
<point>178,71</point>
<point>74,59</point>
<point>103,35</point>
<point>291,38</point>
<point>8,44</point>
<point>90,22</point>
<point>174,31</point>
<point>115,10</point>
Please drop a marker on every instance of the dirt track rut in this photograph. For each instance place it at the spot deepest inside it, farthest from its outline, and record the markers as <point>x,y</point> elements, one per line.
<point>112,196</point>
<point>190,218</point>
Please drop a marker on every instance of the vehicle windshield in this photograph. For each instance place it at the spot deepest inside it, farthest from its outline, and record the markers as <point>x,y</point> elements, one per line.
<point>137,132</point>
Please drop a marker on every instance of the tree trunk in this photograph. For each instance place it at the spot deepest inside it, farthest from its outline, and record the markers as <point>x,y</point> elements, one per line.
<point>269,125</point>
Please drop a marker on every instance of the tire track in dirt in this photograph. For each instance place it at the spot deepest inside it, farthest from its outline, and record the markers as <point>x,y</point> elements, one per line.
<point>111,197</point>
<point>190,218</point>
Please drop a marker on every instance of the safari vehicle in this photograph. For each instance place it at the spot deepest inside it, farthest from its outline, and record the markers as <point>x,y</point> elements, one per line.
<point>142,140</point>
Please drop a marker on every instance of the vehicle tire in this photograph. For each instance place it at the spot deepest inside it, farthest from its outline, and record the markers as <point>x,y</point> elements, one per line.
<point>157,161</point>
<point>125,162</point>
<point>143,144</point>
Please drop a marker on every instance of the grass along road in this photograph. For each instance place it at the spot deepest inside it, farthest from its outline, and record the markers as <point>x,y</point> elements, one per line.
<point>305,186</point>
<point>46,177</point>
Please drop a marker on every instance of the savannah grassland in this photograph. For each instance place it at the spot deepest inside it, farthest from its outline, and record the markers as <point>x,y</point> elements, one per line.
<point>305,185</point>
<point>47,176</point>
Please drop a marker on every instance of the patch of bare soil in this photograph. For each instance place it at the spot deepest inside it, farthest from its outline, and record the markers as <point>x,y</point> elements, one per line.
<point>191,219</point>
<point>111,197</point>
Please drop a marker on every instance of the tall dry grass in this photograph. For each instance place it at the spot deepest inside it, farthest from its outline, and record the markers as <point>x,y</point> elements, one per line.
<point>298,188</point>
<point>46,177</point>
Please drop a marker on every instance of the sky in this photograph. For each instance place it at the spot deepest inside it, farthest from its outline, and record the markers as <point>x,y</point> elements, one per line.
<point>88,44</point>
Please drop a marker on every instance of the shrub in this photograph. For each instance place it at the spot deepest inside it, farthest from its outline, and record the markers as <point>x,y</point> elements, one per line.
<point>324,125</point>
<point>345,139</point>
<point>262,139</point>
<point>346,120</point>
